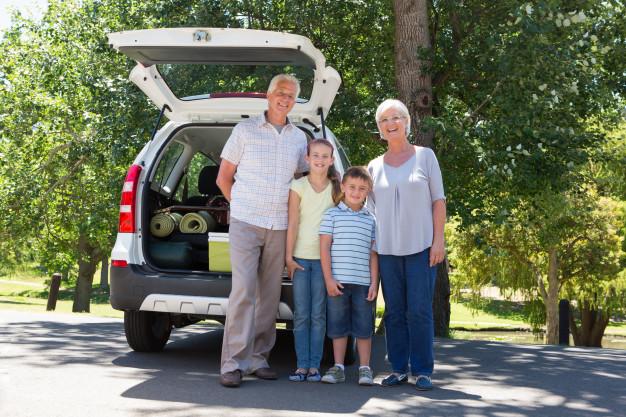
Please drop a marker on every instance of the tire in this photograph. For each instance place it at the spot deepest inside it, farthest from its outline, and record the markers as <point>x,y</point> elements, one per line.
<point>329,359</point>
<point>147,331</point>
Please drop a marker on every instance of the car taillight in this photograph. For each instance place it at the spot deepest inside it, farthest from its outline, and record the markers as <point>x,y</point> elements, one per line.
<point>119,263</point>
<point>128,202</point>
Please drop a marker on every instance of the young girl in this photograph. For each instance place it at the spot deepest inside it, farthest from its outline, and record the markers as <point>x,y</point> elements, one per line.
<point>309,198</point>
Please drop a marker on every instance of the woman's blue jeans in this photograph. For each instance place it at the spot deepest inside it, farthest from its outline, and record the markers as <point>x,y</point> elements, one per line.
<point>408,284</point>
<point>309,324</point>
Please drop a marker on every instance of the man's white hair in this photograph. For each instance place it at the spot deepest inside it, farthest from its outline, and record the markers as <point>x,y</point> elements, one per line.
<point>392,103</point>
<point>284,77</point>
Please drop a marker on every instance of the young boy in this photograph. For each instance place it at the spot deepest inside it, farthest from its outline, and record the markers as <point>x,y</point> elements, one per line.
<point>350,268</point>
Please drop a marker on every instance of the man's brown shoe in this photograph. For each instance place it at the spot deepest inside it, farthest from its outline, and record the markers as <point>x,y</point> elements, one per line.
<point>266,373</point>
<point>231,379</point>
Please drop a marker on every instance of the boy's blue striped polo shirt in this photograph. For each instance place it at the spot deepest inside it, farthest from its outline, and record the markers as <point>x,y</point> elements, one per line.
<point>352,233</point>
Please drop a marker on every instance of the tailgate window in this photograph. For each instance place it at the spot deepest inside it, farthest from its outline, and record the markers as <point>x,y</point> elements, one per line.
<point>199,81</point>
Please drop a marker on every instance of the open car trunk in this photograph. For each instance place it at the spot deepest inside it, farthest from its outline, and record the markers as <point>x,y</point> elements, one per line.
<point>183,207</point>
<point>182,204</point>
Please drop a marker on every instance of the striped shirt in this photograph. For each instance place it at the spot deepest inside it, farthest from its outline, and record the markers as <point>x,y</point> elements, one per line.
<point>266,162</point>
<point>353,233</point>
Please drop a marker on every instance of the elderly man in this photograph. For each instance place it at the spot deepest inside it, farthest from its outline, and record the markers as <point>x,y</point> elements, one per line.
<point>258,162</point>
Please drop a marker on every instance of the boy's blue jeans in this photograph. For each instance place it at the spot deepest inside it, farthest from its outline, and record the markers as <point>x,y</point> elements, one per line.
<point>309,324</point>
<point>408,284</point>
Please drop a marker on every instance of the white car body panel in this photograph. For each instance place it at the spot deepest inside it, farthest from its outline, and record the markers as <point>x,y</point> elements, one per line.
<point>210,306</point>
<point>226,109</point>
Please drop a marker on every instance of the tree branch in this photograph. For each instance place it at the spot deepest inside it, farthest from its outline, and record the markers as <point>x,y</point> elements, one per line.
<point>484,102</point>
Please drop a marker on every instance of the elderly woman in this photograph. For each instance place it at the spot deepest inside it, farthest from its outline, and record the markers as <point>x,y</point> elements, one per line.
<point>409,204</point>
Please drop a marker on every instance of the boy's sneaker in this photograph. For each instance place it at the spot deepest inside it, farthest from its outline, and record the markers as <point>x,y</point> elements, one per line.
<point>423,383</point>
<point>334,375</point>
<point>365,376</point>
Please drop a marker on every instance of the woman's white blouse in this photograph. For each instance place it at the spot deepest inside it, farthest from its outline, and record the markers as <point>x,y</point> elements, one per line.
<point>402,201</point>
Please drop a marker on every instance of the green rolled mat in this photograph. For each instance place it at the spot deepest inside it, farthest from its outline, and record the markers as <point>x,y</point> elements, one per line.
<point>200,222</point>
<point>163,224</point>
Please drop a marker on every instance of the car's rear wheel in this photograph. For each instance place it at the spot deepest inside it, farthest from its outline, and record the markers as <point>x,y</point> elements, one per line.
<point>147,331</point>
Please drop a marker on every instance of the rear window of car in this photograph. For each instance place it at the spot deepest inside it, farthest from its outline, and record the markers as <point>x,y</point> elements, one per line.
<point>199,81</point>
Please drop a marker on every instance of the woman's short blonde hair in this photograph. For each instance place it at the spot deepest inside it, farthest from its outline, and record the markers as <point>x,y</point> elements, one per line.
<point>392,103</point>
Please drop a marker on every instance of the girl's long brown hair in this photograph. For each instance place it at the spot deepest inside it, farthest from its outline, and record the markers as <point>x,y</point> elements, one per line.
<point>333,175</point>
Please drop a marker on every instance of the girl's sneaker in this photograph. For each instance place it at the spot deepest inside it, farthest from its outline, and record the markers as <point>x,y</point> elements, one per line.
<point>314,376</point>
<point>298,376</point>
<point>365,376</point>
<point>334,375</point>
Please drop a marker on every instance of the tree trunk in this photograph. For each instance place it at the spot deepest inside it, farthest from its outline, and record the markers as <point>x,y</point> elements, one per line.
<point>593,323</point>
<point>602,320</point>
<point>441,301</point>
<point>412,60</point>
<point>104,273</point>
<point>552,302</point>
<point>88,260</point>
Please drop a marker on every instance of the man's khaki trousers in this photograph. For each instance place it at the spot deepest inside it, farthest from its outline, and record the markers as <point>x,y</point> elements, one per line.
<point>257,256</point>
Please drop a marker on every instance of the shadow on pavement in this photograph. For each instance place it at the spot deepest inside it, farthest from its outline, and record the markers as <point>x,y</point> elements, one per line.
<point>190,369</point>
<point>472,377</point>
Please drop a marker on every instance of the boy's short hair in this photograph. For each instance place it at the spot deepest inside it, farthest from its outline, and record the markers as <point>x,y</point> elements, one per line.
<point>358,172</point>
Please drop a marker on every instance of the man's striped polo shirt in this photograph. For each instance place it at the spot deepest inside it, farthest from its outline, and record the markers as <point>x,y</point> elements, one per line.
<point>353,233</point>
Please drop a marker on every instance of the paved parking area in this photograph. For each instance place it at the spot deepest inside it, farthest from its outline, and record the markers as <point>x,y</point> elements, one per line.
<point>76,365</point>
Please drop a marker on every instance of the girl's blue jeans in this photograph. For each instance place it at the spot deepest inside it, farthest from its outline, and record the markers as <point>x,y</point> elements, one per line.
<point>309,326</point>
<point>408,284</point>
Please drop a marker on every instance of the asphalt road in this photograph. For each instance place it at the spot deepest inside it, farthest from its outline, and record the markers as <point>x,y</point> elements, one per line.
<point>76,365</point>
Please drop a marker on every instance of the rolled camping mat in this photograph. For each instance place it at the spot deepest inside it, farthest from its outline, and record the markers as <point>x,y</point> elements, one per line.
<point>200,222</point>
<point>163,224</point>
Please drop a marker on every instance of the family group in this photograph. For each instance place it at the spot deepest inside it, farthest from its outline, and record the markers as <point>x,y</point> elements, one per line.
<point>336,236</point>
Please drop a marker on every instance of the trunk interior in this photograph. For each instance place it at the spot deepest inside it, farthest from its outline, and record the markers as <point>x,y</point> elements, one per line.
<point>183,204</point>
<point>184,208</point>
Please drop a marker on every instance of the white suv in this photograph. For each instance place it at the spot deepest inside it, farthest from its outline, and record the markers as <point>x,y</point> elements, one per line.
<point>204,81</point>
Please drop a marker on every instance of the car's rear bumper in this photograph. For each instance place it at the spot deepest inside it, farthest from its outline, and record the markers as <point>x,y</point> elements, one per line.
<point>205,294</point>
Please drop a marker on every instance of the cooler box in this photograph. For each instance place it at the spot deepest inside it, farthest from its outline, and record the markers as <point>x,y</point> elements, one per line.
<point>219,252</point>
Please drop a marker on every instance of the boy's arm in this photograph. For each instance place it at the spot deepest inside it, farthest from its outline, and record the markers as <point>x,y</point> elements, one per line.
<point>292,233</point>
<point>373,290</point>
<point>333,287</point>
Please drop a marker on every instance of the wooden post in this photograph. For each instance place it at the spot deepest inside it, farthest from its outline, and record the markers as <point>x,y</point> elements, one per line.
<point>55,283</point>
<point>104,273</point>
<point>564,322</point>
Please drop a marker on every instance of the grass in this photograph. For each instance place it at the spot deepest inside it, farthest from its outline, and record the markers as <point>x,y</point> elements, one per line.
<point>27,290</point>
<point>490,315</point>
<point>30,293</point>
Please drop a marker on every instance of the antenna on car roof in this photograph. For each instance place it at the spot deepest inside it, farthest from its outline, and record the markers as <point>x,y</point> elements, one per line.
<point>156,126</point>
<point>320,111</point>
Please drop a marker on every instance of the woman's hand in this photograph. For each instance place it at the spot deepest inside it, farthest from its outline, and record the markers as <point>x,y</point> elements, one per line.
<point>437,252</point>
<point>333,288</point>
<point>292,266</point>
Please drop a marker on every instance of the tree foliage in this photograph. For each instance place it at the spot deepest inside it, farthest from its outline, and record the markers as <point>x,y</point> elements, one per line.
<point>560,244</point>
<point>524,95</point>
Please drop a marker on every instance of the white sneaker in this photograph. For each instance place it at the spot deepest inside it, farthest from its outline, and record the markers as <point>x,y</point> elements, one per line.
<point>365,376</point>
